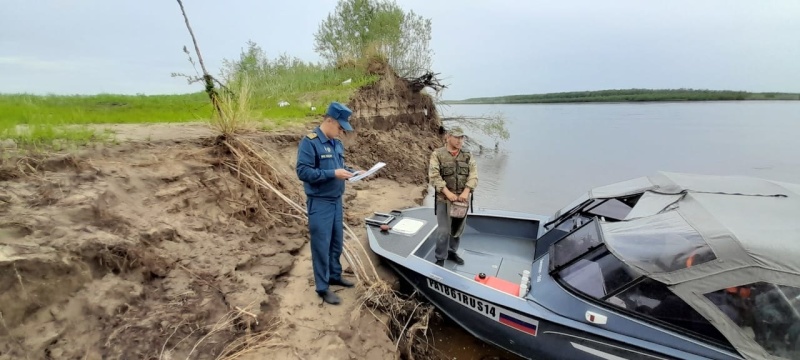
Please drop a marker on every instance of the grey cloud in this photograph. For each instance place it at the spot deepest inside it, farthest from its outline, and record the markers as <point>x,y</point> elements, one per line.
<point>482,48</point>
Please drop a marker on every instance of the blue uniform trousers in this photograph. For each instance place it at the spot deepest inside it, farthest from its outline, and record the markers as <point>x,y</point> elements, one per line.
<point>327,238</point>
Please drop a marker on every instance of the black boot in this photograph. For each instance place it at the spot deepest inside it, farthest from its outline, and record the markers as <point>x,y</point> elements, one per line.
<point>330,297</point>
<point>456,259</point>
<point>343,282</point>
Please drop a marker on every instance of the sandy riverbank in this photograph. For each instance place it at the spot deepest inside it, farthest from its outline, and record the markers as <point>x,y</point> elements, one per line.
<point>135,250</point>
<point>152,248</point>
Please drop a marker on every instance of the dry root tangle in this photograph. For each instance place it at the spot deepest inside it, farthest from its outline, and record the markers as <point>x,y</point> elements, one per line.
<point>231,322</point>
<point>428,79</point>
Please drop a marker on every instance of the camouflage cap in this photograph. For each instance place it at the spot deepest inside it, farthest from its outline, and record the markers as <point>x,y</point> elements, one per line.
<point>456,131</point>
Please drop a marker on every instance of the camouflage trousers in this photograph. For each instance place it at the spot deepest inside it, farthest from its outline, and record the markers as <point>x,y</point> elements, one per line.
<point>448,232</point>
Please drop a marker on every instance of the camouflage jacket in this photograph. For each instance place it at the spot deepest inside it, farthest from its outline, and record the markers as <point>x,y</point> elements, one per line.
<point>454,172</point>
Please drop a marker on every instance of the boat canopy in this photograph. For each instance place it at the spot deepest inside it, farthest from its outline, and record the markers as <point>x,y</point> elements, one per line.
<point>707,237</point>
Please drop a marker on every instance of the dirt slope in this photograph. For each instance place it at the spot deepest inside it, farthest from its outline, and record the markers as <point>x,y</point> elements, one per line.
<point>142,250</point>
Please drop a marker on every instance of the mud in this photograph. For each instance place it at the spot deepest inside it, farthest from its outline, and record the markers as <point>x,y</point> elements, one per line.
<point>153,249</point>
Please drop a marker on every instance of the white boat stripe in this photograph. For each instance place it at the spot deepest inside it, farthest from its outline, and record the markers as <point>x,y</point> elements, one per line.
<point>604,343</point>
<point>596,352</point>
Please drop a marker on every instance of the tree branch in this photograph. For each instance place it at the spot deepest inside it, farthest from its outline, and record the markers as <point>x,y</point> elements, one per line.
<point>209,80</point>
<point>492,125</point>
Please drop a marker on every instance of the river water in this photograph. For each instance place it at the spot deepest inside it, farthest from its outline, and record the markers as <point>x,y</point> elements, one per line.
<point>558,151</point>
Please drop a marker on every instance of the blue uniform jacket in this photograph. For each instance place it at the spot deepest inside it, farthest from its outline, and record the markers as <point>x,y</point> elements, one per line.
<point>317,159</point>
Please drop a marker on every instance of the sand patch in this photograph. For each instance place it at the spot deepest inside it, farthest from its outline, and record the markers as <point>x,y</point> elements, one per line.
<point>138,250</point>
<point>156,132</point>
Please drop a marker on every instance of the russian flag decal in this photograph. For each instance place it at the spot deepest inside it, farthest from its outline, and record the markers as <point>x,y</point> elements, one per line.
<point>528,326</point>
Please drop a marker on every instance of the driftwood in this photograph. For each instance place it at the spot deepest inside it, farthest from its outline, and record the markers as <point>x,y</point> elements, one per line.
<point>426,80</point>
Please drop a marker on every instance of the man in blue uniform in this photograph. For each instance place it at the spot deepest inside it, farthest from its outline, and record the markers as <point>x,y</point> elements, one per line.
<point>320,165</point>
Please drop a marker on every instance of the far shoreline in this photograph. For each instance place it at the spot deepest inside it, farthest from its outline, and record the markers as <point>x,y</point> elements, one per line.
<point>630,96</point>
<point>621,102</point>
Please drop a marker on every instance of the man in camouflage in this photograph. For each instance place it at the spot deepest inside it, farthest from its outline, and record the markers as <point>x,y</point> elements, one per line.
<point>454,175</point>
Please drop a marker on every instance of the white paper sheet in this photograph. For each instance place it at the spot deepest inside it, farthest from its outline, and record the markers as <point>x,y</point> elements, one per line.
<point>369,172</point>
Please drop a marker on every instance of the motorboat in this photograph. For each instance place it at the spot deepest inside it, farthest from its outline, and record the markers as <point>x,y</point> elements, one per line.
<point>666,266</point>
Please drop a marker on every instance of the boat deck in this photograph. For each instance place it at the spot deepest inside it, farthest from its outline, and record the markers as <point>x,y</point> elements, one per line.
<point>496,246</point>
<point>404,244</point>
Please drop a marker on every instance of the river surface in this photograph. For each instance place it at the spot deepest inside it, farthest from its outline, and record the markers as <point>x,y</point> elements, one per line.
<point>558,151</point>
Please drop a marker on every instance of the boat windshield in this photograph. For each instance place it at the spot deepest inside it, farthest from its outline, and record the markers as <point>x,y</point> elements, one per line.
<point>612,209</point>
<point>582,262</point>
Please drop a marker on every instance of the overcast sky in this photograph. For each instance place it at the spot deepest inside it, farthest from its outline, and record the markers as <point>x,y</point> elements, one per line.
<point>481,48</point>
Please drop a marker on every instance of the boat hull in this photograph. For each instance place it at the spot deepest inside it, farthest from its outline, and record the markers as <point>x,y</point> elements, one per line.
<point>519,333</point>
<point>546,323</point>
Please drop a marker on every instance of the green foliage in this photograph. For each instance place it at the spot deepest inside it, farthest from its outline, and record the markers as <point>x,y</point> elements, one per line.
<point>496,128</point>
<point>630,95</point>
<point>288,79</point>
<point>492,126</point>
<point>361,29</point>
<point>234,111</point>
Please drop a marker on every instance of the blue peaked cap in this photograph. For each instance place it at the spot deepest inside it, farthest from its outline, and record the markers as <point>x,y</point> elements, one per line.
<point>341,113</point>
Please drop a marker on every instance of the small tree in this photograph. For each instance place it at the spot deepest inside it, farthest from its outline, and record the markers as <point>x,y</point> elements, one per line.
<point>492,126</point>
<point>356,28</point>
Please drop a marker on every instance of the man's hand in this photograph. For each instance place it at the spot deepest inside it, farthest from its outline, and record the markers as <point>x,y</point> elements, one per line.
<point>464,195</point>
<point>342,174</point>
<point>449,194</point>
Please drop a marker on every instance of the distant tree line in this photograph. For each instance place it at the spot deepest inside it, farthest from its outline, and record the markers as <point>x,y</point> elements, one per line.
<point>630,95</point>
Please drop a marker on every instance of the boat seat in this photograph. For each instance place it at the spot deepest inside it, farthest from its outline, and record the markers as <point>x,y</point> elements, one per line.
<point>498,283</point>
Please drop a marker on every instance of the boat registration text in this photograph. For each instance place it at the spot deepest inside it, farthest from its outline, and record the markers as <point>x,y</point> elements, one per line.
<point>477,305</point>
<point>510,319</point>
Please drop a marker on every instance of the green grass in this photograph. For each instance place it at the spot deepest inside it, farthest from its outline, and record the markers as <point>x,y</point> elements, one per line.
<point>630,95</point>
<point>304,89</point>
<point>41,119</point>
<point>100,109</point>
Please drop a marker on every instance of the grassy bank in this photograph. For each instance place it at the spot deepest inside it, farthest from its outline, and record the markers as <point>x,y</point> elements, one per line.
<point>629,95</point>
<point>307,88</point>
